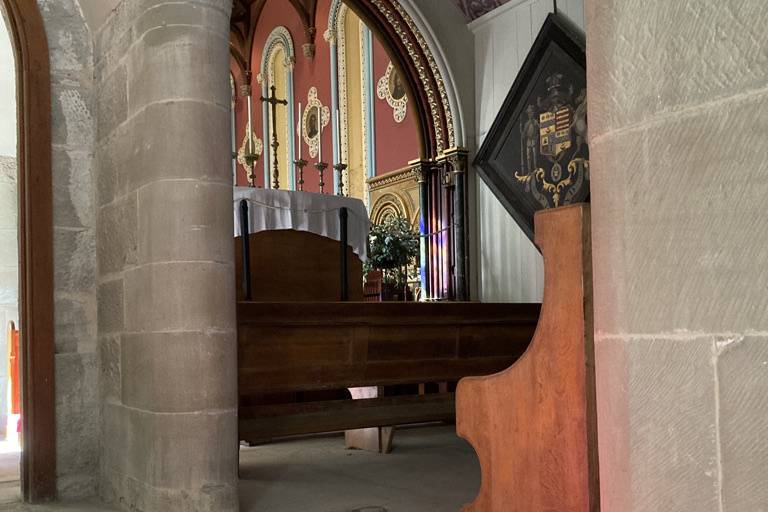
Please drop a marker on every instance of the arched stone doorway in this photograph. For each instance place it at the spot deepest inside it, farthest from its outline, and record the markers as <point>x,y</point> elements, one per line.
<point>38,462</point>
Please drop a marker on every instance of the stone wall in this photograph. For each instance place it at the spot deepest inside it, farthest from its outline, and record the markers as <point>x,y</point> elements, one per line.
<point>164,244</point>
<point>678,111</point>
<point>77,406</point>
<point>9,271</point>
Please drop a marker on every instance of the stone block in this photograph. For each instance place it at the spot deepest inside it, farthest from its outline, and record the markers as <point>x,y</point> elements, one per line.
<point>72,188</point>
<point>74,487</point>
<point>75,323</point>
<point>165,297</point>
<point>74,267</point>
<point>690,52</point>
<point>71,117</point>
<point>196,148</point>
<point>69,40</point>
<point>109,366</point>
<point>176,63</point>
<point>658,423</point>
<point>185,220</point>
<point>114,156</point>
<point>78,422</point>
<point>179,371</point>
<point>675,220</point>
<point>116,232</point>
<point>112,102</point>
<point>743,384</point>
<point>110,307</point>
<point>182,453</point>
<point>166,15</point>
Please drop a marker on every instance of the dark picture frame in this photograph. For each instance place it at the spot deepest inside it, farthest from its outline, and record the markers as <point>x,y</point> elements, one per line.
<point>536,154</point>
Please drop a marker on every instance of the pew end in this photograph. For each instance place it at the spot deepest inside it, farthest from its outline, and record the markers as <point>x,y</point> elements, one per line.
<point>534,425</point>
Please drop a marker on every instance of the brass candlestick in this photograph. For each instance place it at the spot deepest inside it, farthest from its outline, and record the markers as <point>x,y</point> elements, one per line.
<point>250,160</point>
<point>301,164</point>
<point>321,167</point>
<point>340,168</point>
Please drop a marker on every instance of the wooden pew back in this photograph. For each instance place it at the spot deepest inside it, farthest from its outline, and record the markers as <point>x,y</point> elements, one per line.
<point>297,347</point>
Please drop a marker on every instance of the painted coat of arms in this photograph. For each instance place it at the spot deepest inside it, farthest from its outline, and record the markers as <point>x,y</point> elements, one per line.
<point>554,158</point>
<point>536,153</point>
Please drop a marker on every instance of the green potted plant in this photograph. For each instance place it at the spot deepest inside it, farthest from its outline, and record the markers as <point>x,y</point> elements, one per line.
<point>393,246</point>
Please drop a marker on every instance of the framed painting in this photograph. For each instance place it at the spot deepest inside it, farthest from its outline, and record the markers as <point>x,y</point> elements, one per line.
<point>536,154</point>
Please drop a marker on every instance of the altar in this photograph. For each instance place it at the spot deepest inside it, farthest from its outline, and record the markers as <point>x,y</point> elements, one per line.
<point>294,250</point>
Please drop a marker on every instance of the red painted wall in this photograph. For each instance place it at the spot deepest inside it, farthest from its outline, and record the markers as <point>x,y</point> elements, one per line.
<point>396,144</point>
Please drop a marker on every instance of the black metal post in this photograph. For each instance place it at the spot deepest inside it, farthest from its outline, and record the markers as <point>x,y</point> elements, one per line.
<point>245,236</point>
<point>343,222</point>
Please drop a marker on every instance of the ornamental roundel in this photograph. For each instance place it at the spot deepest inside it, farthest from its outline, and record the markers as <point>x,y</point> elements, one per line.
<point>314,114</point>
<point>258,149</point>
<point>392,89</point>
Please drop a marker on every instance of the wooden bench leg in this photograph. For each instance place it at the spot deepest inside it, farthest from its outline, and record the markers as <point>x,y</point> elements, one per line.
<point>375,439</point>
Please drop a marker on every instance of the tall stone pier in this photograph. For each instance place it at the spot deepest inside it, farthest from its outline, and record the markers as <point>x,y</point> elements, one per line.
<point>166,278</point>
<point>678,112</point>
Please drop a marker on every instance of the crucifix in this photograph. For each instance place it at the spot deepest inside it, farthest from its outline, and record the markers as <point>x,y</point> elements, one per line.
<point>274,102</point>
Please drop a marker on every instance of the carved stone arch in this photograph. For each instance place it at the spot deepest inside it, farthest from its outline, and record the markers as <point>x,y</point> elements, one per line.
<point>33,81</point>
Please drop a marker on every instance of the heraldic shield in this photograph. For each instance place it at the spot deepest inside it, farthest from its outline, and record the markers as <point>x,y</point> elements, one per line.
<point>536,154</point>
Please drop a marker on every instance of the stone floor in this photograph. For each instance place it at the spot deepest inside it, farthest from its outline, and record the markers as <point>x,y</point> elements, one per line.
<point>430,470</point>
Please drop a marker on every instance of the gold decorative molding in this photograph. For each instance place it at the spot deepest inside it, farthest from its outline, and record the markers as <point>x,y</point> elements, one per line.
<point>392,89</point>
<point>413,52</point>
<point>392,178</point>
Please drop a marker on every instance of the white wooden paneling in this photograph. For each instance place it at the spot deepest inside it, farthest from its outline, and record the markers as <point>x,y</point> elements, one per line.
<point>510,267</point>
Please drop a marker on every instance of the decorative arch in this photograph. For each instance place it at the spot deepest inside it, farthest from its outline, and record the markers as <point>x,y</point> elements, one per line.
<point>412,56</point>
<point>279,39</point>
<point>38,458</point>
<point>391,205</point>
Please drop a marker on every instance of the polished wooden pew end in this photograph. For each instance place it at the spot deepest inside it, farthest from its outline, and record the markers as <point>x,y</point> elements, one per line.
<point>534,425</point>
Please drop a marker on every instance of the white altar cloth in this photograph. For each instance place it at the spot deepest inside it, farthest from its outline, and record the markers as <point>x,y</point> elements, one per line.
<point>270,209</point>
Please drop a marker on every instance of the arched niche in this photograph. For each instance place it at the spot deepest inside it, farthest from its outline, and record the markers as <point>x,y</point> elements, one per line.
<point>38,460</point>
<point>276,68</point>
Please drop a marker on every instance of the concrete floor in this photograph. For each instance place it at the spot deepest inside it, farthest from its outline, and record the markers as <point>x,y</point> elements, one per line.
<point>429,470</point>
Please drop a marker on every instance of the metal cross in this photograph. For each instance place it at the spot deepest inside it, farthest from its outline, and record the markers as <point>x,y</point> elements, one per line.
<point>274,102</point>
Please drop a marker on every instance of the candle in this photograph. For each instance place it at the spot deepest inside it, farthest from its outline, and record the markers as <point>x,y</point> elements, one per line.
<point>338,129</point>
<point>250,124</point>
<point>298,130</point>
<point>320,135</point>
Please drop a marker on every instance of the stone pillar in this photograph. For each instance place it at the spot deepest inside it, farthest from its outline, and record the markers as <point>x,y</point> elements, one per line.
<point>457,158</point>
<point>678,112</point>
<point>166,296</point>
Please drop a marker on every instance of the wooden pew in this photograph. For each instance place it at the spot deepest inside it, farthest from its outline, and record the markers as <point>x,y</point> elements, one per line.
<point>534,425</point>
<point>301,347</point>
